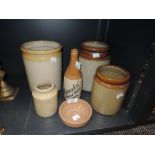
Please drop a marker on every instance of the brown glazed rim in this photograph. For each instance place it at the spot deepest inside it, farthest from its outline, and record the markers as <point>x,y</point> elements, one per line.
<point>26,50</point>
<point>95,49</point>
<point>89,55</point>
<point>113,81</point>
<point>110,86</point>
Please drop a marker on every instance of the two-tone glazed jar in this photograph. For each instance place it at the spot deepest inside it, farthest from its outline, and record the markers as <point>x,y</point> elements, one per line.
<point>43,62</point>
<point>45,98</point>
<point>92,55</point>
<point>109,89</point>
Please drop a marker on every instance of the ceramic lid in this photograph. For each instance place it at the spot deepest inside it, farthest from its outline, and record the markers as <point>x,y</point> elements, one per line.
<point>112,74</point>
<point>40,47</point>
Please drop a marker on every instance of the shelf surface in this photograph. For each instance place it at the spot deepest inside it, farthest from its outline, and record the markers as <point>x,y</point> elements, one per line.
<point>19,116</point>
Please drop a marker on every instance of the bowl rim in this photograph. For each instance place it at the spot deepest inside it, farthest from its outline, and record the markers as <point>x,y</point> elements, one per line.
<point>76,123</point>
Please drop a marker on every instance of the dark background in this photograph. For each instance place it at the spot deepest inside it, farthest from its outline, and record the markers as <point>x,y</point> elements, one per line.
<point>129,41</point>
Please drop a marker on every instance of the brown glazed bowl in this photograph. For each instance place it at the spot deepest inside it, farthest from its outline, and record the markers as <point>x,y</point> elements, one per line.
<point>75,114</point>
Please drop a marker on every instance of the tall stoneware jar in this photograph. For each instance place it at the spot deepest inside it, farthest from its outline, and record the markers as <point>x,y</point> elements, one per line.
<point>92,55</point>
<point>109,89</point>
<point>73,77</point>
<point>45,98</point>
<point>43,62</point>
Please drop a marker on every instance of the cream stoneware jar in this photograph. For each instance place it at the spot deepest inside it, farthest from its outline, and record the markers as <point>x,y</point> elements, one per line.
<point>109,89</point>
<point>43,62</point>
<point>45,98</point>
<point>92,55</point>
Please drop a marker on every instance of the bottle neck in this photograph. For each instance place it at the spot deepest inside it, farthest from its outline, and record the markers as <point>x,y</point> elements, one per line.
<point>74,56</point>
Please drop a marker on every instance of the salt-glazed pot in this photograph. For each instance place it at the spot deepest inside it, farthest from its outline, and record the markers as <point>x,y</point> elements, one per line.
<point>43,62</point>
<point>109,89</point>
<point>45,96</point>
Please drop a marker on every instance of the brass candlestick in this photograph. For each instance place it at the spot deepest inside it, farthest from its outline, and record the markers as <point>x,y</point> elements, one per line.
<point>2,131</point>
<point>7,93</point>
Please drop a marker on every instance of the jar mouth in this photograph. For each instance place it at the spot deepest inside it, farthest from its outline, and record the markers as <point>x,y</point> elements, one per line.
<point>112,74</point>
<point>40,47</point>
<point>44,86</point>
<point>95,46</point>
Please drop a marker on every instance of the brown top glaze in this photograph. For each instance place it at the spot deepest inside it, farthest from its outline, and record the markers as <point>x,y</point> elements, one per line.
<point>91,48</point>
<point>89,55</point>
<point>40,47</point>
<point>72,72</point>
<point>113,75</point>
<point>95,46</point>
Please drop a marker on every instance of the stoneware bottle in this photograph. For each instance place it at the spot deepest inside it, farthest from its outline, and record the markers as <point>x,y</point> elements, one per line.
<point>73,77</point>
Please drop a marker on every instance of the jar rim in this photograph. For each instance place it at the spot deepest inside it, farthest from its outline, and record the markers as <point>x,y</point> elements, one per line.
<point>98,46</point>
<point>44,86</point>
<point>111,74</point>
<point>40,47</point>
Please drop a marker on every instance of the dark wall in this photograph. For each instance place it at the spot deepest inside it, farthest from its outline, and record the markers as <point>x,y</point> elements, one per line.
<point>69,33</point>
<point>130,41</point>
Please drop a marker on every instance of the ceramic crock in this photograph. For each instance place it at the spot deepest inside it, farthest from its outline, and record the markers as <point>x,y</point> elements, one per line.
<point>109,89</point>
<point>43,62</point>
<point>92,55</point>
<point>45,98</point>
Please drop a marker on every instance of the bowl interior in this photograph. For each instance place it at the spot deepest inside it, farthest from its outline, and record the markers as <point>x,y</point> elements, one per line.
<point>75,113</point>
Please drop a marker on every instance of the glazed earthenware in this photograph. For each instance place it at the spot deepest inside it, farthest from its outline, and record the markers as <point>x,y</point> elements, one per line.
<point>45,98</point>
<point>43,62</point>
<point>109,89</point>
<point>73,77</point>
<point>92,55</point>
<point>75,113</point>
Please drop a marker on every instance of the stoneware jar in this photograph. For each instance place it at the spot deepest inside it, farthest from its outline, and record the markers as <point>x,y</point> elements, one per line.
<point>73,77</point>
<point>109,89</point>
<point>92,55</point>
<point>45,98</point>
<point>43,62</point>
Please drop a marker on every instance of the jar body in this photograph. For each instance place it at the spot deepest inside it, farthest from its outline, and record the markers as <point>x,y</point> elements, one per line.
<point>106,100</point>
<point>92,55</point>
<point>45,102</point>
<point>88,69</point>
<point>42,65</point>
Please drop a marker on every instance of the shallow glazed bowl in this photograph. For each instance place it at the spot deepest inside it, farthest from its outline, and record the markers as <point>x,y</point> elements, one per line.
<point>75,114</point>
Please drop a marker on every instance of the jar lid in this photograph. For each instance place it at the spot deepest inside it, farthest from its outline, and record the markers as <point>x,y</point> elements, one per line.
<point>95,46</point>
<point>40,47</point>
<point>112,74</point>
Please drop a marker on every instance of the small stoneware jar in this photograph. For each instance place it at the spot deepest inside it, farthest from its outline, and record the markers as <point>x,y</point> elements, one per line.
<point>45,98</point>
<point>109,89</point>
<point>92,55</point>
<point>43,62</point>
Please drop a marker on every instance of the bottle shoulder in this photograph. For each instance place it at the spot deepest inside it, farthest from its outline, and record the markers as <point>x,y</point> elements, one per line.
<point>73,73</point>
